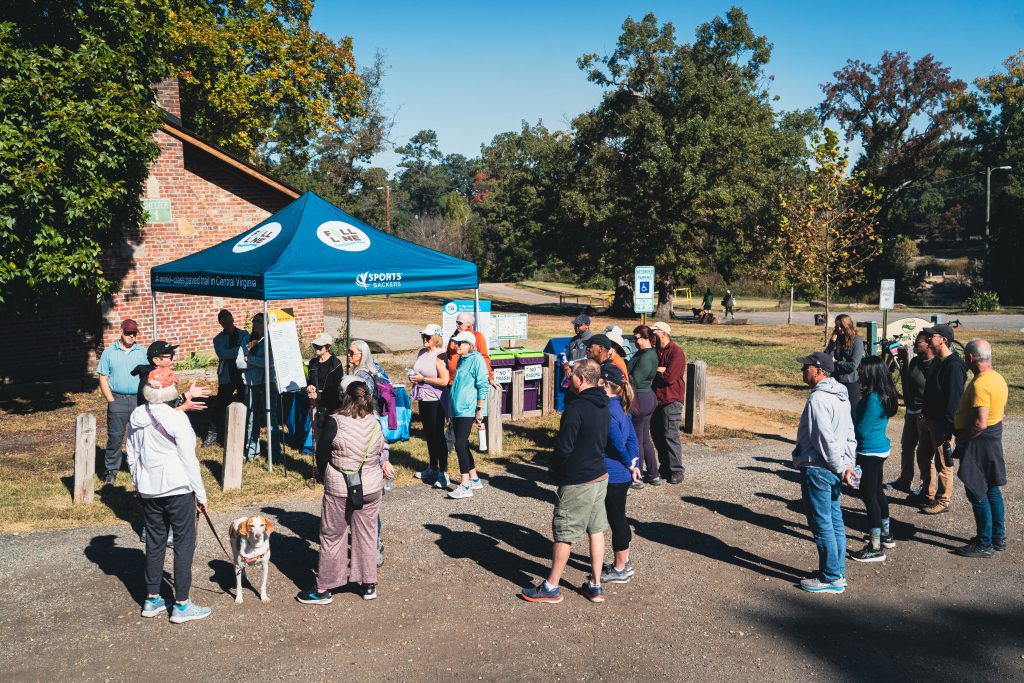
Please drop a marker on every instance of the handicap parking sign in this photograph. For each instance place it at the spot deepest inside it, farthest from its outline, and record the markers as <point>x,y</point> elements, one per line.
<point>645,287</point>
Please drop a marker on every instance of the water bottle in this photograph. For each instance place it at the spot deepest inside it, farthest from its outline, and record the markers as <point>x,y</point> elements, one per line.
<point>855,479</point>
<point>481,433</point>
<point>565,379</point>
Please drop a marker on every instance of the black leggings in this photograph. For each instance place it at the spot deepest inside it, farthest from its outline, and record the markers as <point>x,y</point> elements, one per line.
<point>432,417</point>
<point>462,427</point>
<point>615,508</point>
<point>871,493</point>
<point>177,513</point>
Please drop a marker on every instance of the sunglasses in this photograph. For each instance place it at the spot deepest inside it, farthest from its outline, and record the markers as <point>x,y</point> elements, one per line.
<point>317,347</point>
<point>133,333</point>
<point>353,353</point>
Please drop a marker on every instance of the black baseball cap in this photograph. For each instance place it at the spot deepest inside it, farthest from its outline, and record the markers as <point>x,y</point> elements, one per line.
<point>600,340</point>
<point>943,330</point>
<point>160,348</point>
<point>611,373</point>
<point>819,359</point>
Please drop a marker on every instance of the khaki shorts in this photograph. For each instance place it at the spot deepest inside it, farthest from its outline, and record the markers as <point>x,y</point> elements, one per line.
<point>580,510</point>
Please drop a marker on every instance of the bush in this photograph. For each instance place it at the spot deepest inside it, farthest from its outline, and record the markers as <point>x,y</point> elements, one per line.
<point>599,282</point>
<point>196,361</point>
<point>982,301</point>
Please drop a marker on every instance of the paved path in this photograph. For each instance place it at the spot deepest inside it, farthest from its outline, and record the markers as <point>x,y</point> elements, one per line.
<point>969,322</point>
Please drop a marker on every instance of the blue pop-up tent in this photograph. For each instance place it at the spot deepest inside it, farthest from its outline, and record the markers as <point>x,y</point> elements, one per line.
<point>311,249</point>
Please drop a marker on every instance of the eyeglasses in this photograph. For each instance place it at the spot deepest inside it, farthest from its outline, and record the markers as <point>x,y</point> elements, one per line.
<point>166,356</point>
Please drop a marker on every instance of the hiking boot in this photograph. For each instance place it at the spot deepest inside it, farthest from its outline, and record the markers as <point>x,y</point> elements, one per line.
<point>476,484</point>
<point>461,491</point>
<point>426,475</point>
<point>609,574</point>
<point>816,585</point>
<point>975,549</point>
<point>999,543</point>
<point>368,591</point>
<point>542,594</point>
<point>936,509</point>
<point>153,606</point>
<point>656,481</point>
<point>868,554</point>
<point>592,592</point>
<point>441,481</point>
<point>188,612</point>
<point>313,597</point>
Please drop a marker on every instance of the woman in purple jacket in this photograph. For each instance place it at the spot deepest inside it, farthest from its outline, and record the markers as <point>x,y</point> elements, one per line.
<point>622,458</point>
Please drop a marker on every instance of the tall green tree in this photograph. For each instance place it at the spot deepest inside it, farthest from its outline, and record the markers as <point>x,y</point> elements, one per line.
<point>76,138</point>
<point>675,167</point>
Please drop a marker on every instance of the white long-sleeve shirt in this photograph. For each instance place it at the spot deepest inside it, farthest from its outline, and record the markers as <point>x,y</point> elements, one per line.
<point>160,467</point>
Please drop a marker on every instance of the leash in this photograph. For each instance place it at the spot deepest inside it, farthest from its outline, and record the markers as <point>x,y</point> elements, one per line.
<point>215,534</point>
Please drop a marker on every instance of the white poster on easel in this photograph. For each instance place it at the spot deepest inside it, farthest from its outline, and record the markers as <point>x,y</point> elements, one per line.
<point>284,347</point>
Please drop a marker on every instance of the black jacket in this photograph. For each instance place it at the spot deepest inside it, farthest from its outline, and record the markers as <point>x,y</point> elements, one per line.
<point>943,389</point>
<point>326,377</point>
<point>581,441</point>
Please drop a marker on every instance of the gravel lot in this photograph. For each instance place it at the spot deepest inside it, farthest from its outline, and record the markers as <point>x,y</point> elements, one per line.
<point>713,597</point>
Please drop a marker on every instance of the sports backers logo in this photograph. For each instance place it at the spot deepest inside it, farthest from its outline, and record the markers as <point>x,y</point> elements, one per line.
<point>379,280</point>
<point>257,238</point>
<point>343,236</point>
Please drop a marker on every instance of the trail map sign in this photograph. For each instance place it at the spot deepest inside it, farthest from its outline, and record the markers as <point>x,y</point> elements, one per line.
<point>509,326</point>
<point>284,347</point>
<point>643,289</point>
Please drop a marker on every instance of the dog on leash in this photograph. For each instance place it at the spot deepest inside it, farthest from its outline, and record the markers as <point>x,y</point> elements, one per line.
<point>250,545</point>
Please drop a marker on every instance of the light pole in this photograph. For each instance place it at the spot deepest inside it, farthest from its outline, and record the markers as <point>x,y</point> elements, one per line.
<point>988,195</point>
<point>387,205</point>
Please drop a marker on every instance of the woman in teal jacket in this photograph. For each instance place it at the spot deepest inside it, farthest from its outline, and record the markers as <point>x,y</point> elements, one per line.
<point>871,418</point>
<point>469,407</point>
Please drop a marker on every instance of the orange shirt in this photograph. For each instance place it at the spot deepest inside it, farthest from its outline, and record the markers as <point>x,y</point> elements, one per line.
<point>453,357</point>
<point>620,363</point>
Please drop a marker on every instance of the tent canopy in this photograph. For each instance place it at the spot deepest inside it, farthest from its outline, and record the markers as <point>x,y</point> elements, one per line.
<point>311,249</point>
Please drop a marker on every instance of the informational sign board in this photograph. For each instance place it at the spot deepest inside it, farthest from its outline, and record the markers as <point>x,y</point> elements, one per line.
<point>887,295</point>
<point>284,347</point>
<point>906,330</point>
<point>509,326</point>
<point>157,210</point>
<point>484,324</point>
<point>643,289</point>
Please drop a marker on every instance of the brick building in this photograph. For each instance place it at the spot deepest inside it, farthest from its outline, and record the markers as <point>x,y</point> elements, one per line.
<point>196,196</point>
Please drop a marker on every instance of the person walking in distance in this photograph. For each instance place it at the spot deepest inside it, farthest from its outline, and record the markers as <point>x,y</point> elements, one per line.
<point>825,454</point>
<point>914,377</point>
<point>877,404</point>
<point>120,390</point>
<point>643,366</point>
<point>943,389</point>
<point>847,349</point>
<point>579,471</point>
<point>230,385</point>
<point>669,386</point>
<point>979,447</point>
<point>729,304</point>
<point>468,408</point>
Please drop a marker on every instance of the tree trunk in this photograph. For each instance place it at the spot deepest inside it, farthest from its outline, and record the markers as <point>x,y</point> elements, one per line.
<point>789,321</point>
<point>622,302</point>
<point>827,301</point>
<point>666,296</point>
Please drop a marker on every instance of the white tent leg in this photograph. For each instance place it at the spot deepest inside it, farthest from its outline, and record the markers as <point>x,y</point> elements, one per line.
<point>154,316</point>
<point>476,309</point>
<point>266,387</point>
<point>348,335</point>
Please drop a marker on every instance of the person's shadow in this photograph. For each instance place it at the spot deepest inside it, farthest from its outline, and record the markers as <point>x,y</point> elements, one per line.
<point>521,479</point>
<point>125,564</point>
<point>488,553</point>
<point>293,556</point>
<point>744,514</point>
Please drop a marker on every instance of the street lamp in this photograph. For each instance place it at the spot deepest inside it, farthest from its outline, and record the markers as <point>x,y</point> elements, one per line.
<point>988,195</point>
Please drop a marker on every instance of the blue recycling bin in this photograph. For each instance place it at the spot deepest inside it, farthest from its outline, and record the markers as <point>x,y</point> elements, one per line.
<point>556,346</point>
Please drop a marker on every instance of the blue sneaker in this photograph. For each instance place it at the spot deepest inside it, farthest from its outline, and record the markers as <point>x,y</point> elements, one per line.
<point>541,594</point>
<point>312,597</point>
<point>816,585</point>
<point>153,606</point>
<point>188,612</point>
<point>441,481</point>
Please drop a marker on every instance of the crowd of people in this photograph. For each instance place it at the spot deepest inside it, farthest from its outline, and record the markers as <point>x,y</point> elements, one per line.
<point>619,431</point>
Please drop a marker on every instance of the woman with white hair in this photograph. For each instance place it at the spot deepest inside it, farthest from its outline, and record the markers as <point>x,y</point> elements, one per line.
<point>362,365</point>
<point>161,449</point>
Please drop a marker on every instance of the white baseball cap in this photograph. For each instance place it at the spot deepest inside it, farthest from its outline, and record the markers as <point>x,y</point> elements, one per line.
<point>431,330</point>
<point>465,338</point>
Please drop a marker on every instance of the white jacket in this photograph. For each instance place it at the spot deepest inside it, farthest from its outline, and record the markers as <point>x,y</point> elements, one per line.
<point>160,467</point>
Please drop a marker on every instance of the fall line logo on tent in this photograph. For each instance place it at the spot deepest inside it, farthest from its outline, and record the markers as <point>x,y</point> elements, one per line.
<point>257,238</point>
<point>343,236</point>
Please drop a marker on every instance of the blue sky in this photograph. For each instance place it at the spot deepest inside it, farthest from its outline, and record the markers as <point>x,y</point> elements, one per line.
<point>472,70</point>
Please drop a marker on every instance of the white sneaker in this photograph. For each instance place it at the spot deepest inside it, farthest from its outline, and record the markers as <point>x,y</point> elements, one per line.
<point>461,491</point>
<point>442,481</point>
<point>424,474</point>
<point>476,484</point>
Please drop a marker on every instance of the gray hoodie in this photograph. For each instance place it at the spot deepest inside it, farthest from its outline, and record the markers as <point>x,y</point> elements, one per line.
<point>825,436</point>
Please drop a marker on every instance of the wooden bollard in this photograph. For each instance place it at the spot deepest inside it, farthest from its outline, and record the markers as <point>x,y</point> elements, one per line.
<point>234,444</point>
<point>85,458</point>
<point>494,436</point>
<point>518,387</point>
<point>547,383</point>
<point>696,383</point>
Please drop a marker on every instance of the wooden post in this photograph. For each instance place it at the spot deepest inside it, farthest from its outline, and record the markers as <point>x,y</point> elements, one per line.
<point>85,458</point>
<point>696,382</point>
<point>547,383</point>
<point>234,444</point>
<point>494,440</point>
<point>518,386</point>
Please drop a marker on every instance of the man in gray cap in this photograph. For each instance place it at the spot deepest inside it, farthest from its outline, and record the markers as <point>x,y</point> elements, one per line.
<point>825,453</point>
<point>943,390</point>
<point>577,348</point>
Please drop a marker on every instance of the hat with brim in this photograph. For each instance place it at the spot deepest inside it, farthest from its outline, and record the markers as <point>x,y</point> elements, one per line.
<point>465,338</point>
<point>323,339</point>
<point>943,330</point>
<point>160,348</point>
<point>662,327</point>
<point>433,330</point>
<point>611,373</point>
<point>581,319</point>
<point>617,342</point>
<point>601,340</point>
<point>819,359</point>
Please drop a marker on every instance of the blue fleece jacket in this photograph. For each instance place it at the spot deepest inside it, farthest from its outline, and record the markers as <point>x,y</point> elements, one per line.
<point>870,425</point>
<point>623,450</point>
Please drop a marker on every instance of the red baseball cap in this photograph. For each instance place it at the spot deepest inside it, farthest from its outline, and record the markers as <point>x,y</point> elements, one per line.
<point>129,325</point>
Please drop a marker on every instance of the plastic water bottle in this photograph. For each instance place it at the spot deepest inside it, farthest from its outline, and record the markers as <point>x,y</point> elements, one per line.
<point>481,433</point>
<point>855,479</point>
<point>565,379</point>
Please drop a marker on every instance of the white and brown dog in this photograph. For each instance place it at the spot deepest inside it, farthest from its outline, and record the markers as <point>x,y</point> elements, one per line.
<point>250,545</point>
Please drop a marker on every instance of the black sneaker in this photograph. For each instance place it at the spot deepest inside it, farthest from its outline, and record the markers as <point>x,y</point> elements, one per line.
<point>868,554</point>
<point>999,543</point>
<point>312,597</point>
<point>888,541</point>
<point>368,591</point>
<point>676,478</point>
<point>975,549</point>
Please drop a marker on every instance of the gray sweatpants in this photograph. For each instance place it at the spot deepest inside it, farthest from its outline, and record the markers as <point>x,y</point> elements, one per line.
<point>118,413</point>
<point>665,433</point>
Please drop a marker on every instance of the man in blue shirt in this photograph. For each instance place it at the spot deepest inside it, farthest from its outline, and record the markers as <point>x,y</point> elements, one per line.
<point>120,389</point>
